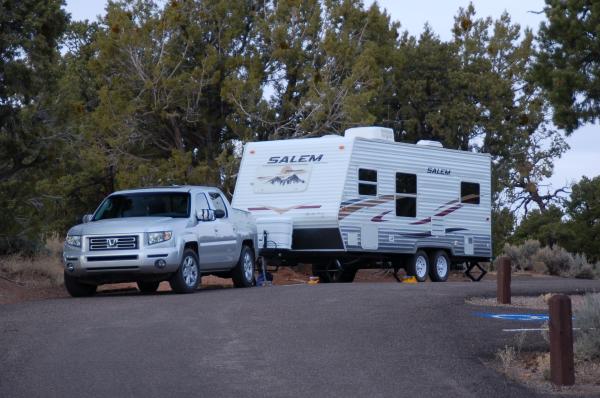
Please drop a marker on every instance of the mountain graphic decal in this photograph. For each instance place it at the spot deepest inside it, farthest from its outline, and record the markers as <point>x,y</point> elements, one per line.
<point>293,179</point>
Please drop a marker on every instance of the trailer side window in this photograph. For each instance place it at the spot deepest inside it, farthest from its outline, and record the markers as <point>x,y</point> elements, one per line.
<point>406,195</point>
<point>367,182</point>
<point>469,193</point>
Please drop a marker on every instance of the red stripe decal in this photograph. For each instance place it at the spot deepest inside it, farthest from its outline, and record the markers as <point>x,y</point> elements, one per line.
<point>448,211</point>
<point>423,221</point>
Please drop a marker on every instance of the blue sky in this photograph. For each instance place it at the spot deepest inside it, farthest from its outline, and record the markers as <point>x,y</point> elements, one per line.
<point>584,155</point>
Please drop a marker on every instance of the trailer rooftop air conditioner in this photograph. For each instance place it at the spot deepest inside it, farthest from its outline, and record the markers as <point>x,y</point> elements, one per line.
<point>436,144</point>
<point>371,133</point>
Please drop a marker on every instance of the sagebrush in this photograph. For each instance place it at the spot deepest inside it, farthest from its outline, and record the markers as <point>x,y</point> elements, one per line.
<point>531,256</point>
<point>587,320</point>
<point>43,269</point>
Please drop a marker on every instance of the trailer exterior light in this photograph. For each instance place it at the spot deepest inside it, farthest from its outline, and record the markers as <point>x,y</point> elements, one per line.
<point>341,147</point>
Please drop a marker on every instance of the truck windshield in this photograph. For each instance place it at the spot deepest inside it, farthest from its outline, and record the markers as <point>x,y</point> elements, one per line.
<point>146,204</point>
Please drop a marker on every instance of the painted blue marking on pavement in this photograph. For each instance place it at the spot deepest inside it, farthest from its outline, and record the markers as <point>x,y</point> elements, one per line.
<point>514,317</point>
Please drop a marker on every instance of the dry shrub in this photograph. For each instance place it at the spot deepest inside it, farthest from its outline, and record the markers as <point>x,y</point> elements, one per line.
<point>587,319</point>
<point>507,357</point>
<point>556,260</point>
<point>582,269</point>
<point>522,256</point>
<point>43,269</point>
<point>530,256</point>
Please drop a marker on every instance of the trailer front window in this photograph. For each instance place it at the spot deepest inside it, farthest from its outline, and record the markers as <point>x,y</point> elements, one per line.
<point>469,193</point>
<point>367,182</point>
<point>406,195</point>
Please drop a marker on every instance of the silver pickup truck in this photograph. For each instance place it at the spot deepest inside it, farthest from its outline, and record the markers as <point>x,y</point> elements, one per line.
<point>150,235</point>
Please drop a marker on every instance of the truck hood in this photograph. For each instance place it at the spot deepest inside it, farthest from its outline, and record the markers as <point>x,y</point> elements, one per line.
<point>128,225</point>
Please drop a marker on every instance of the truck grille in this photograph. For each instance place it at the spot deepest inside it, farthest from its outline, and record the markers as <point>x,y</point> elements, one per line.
<point>113,243</point>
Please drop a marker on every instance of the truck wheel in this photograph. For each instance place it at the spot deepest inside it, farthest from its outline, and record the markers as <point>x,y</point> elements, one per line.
<point>187,277</point>
<point>440,266</point>
<point>78,289</point>
<point>148,287</point>
<point>243,273</point>
<point>419,266</point>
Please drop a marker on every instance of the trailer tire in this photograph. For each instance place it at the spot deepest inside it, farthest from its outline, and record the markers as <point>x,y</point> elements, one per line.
<point>78,289</point>
<point>419,266</point>
<point>334,271</point>
<point>243,273</point>
<point>440,266</point>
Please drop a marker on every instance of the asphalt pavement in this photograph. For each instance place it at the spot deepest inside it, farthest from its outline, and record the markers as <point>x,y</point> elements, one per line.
<point>329,340</point>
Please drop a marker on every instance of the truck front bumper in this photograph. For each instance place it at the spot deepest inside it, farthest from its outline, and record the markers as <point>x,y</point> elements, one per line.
<point>145,261</point>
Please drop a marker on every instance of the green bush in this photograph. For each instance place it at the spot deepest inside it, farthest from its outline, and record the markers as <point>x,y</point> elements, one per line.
<point>587,319</point>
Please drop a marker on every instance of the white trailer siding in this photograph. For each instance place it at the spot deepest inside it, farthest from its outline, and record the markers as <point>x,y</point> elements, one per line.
<point>441,219</point>
<point>322,198</point>
<point>317,205</point>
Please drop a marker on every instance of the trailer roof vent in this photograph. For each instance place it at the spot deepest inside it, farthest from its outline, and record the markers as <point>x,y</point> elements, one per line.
<point>436,144</point>
<point>371,133</point>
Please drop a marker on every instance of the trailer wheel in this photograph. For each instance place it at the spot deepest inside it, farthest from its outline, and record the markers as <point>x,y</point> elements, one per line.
<point>419,266</point>
<point>334,272</point>
<point>440,266</point>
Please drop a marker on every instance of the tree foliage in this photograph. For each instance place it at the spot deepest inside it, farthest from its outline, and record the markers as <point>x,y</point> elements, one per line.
<point>167,93</point>
<point>568,64</point>
<point>29,33</point>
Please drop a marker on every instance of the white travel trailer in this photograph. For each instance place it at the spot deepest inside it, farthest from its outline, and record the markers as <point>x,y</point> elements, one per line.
<point>349,202</point>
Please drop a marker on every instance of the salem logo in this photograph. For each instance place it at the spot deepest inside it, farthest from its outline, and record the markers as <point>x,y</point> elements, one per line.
<point>295,159</point>
<point>435,170</point>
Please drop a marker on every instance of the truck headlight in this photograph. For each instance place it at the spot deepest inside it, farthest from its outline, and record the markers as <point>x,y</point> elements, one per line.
<point>157,237</point>
<point>73,240</point>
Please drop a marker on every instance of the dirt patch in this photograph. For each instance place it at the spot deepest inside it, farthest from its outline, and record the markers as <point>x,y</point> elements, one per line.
<point>11,292</point>
<point>533,370</point>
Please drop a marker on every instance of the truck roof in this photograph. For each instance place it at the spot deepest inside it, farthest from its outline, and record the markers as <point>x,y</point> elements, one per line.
<point>167,188</point>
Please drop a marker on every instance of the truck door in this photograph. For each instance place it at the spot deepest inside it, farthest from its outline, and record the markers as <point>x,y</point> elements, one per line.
<point>208,251</point>
<point>226,239</point>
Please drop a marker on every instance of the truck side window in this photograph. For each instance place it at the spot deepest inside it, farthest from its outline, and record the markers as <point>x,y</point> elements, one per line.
<point>406,195</point>
<point>367,182</point>
<point>217,202</point>
<point>469,193</point>
<point>201,202</point>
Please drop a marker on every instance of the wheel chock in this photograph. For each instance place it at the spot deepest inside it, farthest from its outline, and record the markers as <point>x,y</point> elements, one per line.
<point>409,279</point>
<point>313,280</point>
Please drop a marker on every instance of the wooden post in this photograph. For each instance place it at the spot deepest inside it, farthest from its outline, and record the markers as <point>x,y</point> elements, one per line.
<point>562,367</point>
<point>503,281</point>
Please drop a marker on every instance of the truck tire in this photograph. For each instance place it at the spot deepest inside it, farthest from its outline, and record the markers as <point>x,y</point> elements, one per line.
<point>440,266</point>
<point>187,277</point>
<point>78,289</point>
<point>148,287</point>
<point>243,273</point>
<point>419,266</point>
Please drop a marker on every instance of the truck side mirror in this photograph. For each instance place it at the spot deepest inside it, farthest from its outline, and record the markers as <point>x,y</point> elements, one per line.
<point>219,213</point>
<point>205,215</point>
<point>87,218</point>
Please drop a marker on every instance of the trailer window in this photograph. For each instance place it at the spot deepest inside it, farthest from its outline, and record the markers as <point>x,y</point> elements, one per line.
<point>406,195</point>
<point>469,193</point>
<point>367,182</point>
